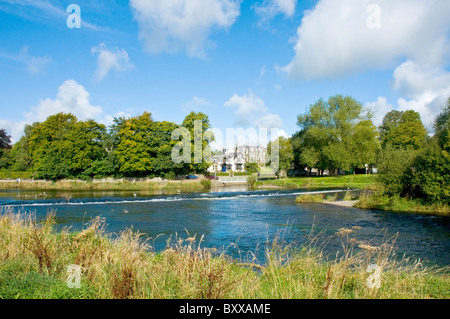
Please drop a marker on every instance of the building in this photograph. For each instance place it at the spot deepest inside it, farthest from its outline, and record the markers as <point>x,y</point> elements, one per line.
<point>235,159</point>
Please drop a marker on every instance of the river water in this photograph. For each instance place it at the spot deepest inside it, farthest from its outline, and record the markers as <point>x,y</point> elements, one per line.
<point>238,220</point>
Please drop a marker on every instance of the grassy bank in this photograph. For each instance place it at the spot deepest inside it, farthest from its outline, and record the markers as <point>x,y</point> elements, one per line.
<point>34,260</point>
<point>108,186</point>
<point>350,181</point>
<point>400,204</point>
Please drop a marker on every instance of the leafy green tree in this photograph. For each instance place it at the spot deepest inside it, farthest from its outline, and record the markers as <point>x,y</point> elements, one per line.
<point>5,140</point>
<point>161,144</point>
<point>442,128</point>
<point>394,165</point>
<point>199,141</point>
<point>133,152</point>
<point>364,144</point>
<point>403,129</point>
<point>21,151</point>
<point>5,147</point>
<point>61,146</point>
<point>51,148</point>
<point>429,177</point>
<point>335,134</point>
<point>285,154</point>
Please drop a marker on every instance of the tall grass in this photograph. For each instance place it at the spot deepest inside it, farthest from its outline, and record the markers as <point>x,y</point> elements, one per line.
<point>400,204</point>
<point>34,258</point>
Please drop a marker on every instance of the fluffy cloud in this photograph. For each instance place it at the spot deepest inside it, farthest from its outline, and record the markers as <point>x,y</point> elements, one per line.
<point>270,8</point>
<point>174,25</point>
<point>250,110</point>
<point>339,38</point>
<point>70,98</point>
<point>110,60</point>
<point>426,90</point>
<point>379,108</point>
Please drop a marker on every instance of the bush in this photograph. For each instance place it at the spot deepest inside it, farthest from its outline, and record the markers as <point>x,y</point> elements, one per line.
<point>15,175</point>
<point>206,183</point>
<point>430,177</point>
<point>393,166</point>
<point>252,179</point>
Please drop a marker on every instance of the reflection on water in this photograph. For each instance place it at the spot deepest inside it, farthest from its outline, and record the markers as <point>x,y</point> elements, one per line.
<point>228,216</point>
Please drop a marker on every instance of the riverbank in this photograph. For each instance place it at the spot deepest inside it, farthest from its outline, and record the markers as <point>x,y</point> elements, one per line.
<point>374,201</point>
<point>35,258</point>
<point>342,181</point>
<point>109,185</point>
<point>401,205</point>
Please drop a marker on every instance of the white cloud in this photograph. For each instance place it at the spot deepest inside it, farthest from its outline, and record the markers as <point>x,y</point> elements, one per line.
<point>174,25</point>
<point>15,129</point>
<point>252,111</point>
<point>426,90</point>
<point>270,8</point>
<point>269,121</point>
<point>248,108</point>
<point>34,64</point>
<point>379,110</point>
<point>70,98</point>
<point>334,39</point>
<point>110,60</point>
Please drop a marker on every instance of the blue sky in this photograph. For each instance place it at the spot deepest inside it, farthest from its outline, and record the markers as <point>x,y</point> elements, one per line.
<point>243,63</point>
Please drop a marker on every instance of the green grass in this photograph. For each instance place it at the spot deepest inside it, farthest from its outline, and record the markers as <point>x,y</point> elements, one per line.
<point>34,258</point>
<point>400,204</point>
<point>107,186</point>
<point>350,181</point>
<point>15,175</point>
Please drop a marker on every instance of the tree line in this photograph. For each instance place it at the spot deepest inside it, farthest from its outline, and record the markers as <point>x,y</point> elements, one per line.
<point>65,147</point>
<point>339,135</point>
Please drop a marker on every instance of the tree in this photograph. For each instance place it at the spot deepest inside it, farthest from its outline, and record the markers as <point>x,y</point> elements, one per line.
<point>394,165</point>
<point>285,155</point>
<point>133,152</point>
<point>5,140</point>
<point>51,147</point>
<point>403,129</point>
<point>161,144</point>
<point>61,147</point>
<point>199,141</point>
<point>364,144</point>
<point>442,128</point>
<point>418,170</point>
<point>429,177</point>
<point>21,150</point>
<point>5,147</point>
<point>335,134</point>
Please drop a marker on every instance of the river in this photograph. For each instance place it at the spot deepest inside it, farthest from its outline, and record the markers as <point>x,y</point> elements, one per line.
<point>236,219</point>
